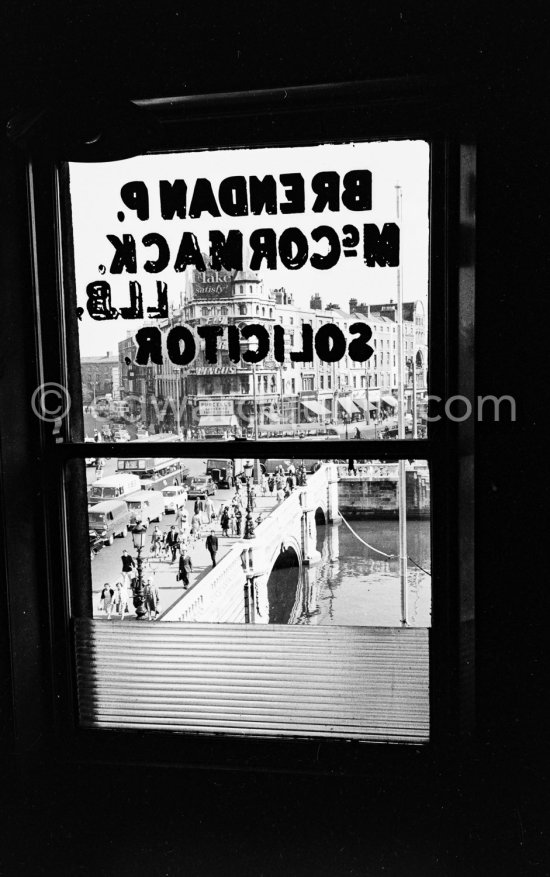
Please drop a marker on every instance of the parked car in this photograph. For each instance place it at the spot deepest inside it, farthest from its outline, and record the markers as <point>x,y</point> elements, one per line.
<point>174,497</point>
<point>201,486</point>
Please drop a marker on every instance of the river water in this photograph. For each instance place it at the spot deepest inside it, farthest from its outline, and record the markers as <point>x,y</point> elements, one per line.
<point>353,585</point>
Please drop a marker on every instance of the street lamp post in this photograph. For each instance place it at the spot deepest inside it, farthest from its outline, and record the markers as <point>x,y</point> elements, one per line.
<point>346,424</point>
<point>249,523</point>
<point>138,538</point>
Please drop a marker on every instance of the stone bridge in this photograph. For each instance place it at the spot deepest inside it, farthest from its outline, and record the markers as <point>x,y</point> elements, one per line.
<point>235,590</point>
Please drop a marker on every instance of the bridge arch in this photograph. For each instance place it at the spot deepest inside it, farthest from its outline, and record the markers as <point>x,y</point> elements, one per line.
<point>288,543</point>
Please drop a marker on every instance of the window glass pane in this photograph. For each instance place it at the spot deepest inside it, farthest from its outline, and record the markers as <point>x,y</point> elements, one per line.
<point>326,243</point>
<point>271,541</point>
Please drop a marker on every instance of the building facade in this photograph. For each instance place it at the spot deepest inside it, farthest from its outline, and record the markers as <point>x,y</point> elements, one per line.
<point>100,377</point>
<point>223,398</point>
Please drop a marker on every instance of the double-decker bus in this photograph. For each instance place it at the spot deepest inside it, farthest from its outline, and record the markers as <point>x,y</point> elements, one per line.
<point>155,473</point>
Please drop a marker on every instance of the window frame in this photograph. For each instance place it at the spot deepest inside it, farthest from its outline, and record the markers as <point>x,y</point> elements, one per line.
<point>360,112</point>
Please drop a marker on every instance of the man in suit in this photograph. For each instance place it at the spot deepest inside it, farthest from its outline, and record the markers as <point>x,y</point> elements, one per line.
<point>185,568</point>
<point>212,546</point>
<point>173,540</point>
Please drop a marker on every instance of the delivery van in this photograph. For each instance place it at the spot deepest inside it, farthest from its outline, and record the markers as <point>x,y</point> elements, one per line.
<point>108,519</point>
<point>113,487</point>
<point>145,506</point>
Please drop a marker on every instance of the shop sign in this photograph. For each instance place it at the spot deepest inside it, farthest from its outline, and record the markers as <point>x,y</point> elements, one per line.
<point>212,285</point>
<point>220,407</point>
<point>213,370</point>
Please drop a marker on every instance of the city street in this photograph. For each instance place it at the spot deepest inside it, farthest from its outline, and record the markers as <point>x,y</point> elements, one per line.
<point>107,566</point>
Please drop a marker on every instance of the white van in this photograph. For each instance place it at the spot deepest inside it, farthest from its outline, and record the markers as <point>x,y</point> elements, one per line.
<point>145,506</point>
<point>113,487</point>
<point>108,519</point>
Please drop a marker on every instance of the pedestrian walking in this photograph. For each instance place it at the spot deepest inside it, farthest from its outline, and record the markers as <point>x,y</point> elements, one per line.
<point>182,520</point>
<point>196,525</point>
<point>156,541</point>
<point>280,495</point>
<point>271,483</point>
<point>121,599</point>
<point>128,568</point>
<point>106,603</point>
<point>224,521</point>
<point>152,600</point>
<point>212,546</point>
<point>238,515</point>
<point>185,567</point>
<point>173,541</point>
<point>209,510</point>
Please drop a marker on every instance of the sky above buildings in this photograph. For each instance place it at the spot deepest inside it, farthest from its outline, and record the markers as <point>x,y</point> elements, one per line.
<point>98,210</point>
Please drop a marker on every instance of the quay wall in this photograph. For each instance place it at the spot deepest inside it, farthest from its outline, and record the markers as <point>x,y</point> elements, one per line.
<point>376,498</point>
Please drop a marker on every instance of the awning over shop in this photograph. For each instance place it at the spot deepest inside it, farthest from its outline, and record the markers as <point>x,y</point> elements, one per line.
<point>347,405</point>
<point>314,406</point>
<point>223,421</point>
<point>389,400</point>
<point>374,395</point>
<point>362,403</point>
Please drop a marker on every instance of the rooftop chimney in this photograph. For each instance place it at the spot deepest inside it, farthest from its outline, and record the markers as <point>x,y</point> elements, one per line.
<point>315,302</point>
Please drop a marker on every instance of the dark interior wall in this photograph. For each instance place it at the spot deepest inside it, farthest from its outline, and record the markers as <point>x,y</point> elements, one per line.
<point>487,810</point>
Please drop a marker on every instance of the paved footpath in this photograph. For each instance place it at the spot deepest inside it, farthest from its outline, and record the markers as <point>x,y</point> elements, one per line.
<point>164,572</point>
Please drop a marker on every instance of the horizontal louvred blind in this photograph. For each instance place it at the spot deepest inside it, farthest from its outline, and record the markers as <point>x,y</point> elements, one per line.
<point>355,683</point>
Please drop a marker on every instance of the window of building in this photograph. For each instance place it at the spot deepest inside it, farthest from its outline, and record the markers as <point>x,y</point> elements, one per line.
<point>199,708</point>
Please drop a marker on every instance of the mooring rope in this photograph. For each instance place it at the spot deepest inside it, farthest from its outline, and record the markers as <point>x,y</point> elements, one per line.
<point>377,550</point>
